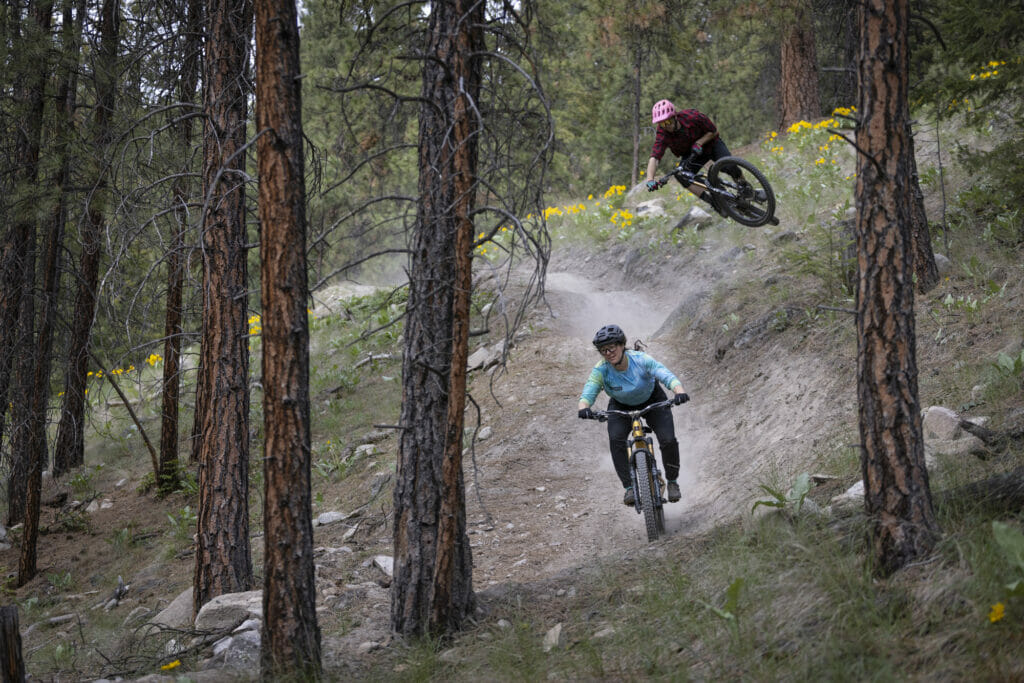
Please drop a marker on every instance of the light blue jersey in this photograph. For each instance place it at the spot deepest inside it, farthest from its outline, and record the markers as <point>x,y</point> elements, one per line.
<point>633,385</point>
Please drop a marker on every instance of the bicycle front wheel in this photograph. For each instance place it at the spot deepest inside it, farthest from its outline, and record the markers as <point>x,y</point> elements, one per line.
<point>645,497</point>
<point>750,202</point>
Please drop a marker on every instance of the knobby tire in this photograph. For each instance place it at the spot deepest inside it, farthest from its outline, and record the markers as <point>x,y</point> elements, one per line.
<point>645,496</point>
<point>756,214</point>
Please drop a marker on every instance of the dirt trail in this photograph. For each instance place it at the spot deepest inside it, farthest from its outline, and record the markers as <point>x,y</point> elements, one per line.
<point>551,500</point>
<point>545,476</point>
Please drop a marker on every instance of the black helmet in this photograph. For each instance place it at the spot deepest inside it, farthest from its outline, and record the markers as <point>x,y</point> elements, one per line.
<point>609,334</point>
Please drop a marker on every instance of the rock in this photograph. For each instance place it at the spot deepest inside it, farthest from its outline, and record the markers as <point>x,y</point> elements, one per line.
<point>367,646</point>
<point>786,236</point>
<point>249,625</point>
<point>606,632</point>
<point>331,517</point>
<point>485,433</point>
<point>822,478</point>
<point>366,449</point>
<point>240,651</point>
<point>386,564</point>
<point>485,357</point>
<point>852,498</point>
<point>943,264</point>
<point>121,483</point>
<point>695,215</point>
<point>652,208</point>
<point>178,614</point>
<point>553,638</point>
<point>941,423</point>
<point>225,612</point>
<point>3,533</point>
<point>504,624</point>
<point>450,656</point>
<point>92,507</point>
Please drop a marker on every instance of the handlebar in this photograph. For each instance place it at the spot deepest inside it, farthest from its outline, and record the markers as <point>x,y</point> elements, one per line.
<point>679,170</point>
<point>632,414</point>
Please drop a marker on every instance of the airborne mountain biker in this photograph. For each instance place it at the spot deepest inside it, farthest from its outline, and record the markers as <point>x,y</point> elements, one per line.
<point>630,378</point>
<point>688,133</point>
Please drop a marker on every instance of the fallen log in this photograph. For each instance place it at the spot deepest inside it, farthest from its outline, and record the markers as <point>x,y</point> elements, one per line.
<point>1000,492</point>
<point>995,441</point>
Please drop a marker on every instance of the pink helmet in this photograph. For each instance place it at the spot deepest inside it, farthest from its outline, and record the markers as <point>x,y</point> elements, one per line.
<point>663,109</point>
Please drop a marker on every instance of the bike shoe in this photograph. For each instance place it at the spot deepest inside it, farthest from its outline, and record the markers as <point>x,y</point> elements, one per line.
<point>629,498</point>
<point>673,492</point>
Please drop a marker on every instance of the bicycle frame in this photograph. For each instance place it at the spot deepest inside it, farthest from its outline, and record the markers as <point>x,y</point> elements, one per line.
<point>648,484</point>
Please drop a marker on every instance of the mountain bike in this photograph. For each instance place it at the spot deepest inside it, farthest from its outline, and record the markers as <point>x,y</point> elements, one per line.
<point>648,483</point>
<point>749,203</point>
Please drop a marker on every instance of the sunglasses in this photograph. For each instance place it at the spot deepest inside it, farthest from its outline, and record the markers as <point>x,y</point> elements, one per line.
<point>607,350</point>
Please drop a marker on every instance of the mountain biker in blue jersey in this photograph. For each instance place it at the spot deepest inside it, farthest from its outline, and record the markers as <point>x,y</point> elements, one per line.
<point>691,134</point>
<point>630,378</point>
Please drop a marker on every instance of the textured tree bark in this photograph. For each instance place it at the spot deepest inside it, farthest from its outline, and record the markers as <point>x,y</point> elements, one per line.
<point>897,495</point>
<point>40,394</point>
<point>167,474</point>
<point>432,592</point>
<point>18,303</point>
<point>10,645</point>
<point>223,561</point>
<point>798,87</point>
<point>290,636</point>
<point>70,445</point>
<point>71,31</point>
<point>926,271</point>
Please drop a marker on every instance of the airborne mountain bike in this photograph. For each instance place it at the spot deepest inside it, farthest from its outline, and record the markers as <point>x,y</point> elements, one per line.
<point>751,203</point>
<point>648,483</point>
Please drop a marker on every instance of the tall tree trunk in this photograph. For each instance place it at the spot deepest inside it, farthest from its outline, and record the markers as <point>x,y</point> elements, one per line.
<point>637,64</point>
<point>291,637</point>
<point>798,89</point>
<point>926,271</point>
<point>897,495</point>
<point>70,446</point>
<point>167,475</point>
<point>40,394</point>
<point>432,592</point>
<point>71,32</point>
<point>223,560</point>
<point>20,249</point>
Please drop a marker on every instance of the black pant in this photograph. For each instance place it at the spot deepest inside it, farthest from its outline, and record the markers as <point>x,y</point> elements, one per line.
<point>664,428</point>
<point>713,152</point>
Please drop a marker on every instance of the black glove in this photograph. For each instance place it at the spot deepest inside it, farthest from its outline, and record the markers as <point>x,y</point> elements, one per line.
<point>653,185</point>
<point>680,399</point>
<point>586,414</point>
<point>696,149</point>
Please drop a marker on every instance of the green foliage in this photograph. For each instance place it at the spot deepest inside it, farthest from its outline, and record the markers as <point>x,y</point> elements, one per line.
<point>60,581</point>
<point>794,497</point>
<point>182,523</point>
<point>72,520</point>
<point>121,539</point>
<point>83,482</point>
<point>1011,542</point>
<point>1010,366</point>
<point>729,611</point>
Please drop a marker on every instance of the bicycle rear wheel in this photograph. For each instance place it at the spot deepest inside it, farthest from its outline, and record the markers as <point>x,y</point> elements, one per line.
<point>645,497</point>
<point>753,203</point>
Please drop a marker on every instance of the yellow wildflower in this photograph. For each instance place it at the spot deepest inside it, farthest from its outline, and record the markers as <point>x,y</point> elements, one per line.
<point>997,613</point>
<point>171,665</point>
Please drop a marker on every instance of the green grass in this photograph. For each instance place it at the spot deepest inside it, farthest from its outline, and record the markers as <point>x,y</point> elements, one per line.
<point>808,608</point>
